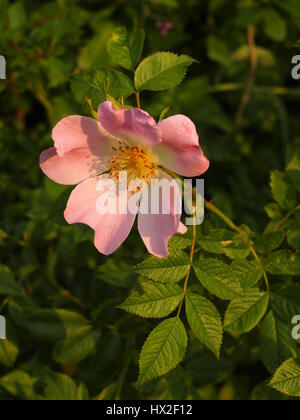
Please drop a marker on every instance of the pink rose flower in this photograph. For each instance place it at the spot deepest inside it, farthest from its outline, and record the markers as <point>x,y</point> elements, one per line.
<point>122,141</point>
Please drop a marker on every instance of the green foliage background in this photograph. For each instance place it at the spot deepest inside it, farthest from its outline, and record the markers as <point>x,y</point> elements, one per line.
<point>68,338</point>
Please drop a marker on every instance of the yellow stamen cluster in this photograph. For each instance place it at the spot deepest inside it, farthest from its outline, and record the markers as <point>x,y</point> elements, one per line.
<point>136,162</point>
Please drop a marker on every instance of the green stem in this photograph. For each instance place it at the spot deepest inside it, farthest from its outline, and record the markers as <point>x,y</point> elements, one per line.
<point>124,370</point>
<point>212,208</point>
<point>285,219</point>
<point>185,288</point>
<point>3,305</point>
<point>138,99</point>
<point>231,87</point>
<point>254,253</point>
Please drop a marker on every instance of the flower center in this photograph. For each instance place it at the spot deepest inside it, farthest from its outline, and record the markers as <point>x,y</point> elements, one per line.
<point>133,160</point>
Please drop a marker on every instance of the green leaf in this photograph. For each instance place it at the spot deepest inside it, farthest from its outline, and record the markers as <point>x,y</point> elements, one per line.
<point>275,25</point>
<point>172,4</point>
<point>244,314</point>
<point>285,300</point>
<point>273,211</point>
<point>218,278</point>
<point>248,272</point>
<point>164,113</point>
<point>283,191</point>
<point>9,352</point>
<point>168,270</point>
<point>265,57</point>
<point>126,49</point>
<point>293,238</point>
<point>9,349</point>
<point>217,50</point>
<point>276,342</point>
<point>109,348</point>
<point>293,169</point>
<point>19,384</point>
<point>108,393</point>
<point>78,345</point>
<point>179,243</point>
<point>20,308</point>
<point>54,324</point>
<point>59,387</point>
<point>287,378</point>
<point>212,243</point>
<point>94,53</point>
<point>4,13</point>
<point>205,322</point>
<point>171,387</point>
<point>163,350</point>
<point>289,6</point>
<point>263,392</point>
<point>99,84</point>
<point>8,286</point>
<point>57,71</point>
<point>17,16</point>
<point>158,300</point>
<point>283,262</point>
<point>82,392</point>
<point>206,369</point>
<point>77,341</point>
<point>269,242</point>
<point>118,273</point>
<point>161,71</point>
<point>236,249</point>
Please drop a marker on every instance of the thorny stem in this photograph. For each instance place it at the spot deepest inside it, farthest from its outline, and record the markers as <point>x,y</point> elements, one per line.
<point>212,208</point>
<point>190,267</point>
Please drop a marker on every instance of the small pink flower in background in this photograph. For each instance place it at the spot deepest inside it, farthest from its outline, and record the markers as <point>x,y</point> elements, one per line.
<point>122,141</point>
<point>164,26</point>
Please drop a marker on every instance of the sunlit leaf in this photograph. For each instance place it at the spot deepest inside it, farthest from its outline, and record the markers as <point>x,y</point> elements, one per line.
<point>163,350</point>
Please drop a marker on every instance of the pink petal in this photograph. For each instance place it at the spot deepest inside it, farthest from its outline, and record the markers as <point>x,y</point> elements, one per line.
<point>73,168</point>
<point>129,125</point>
<point>77,132</point>
<point>180,151</point>
<point>82,149</point>
<point>111,230</point>
<point>182,229</point>
<point>157,229</point>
